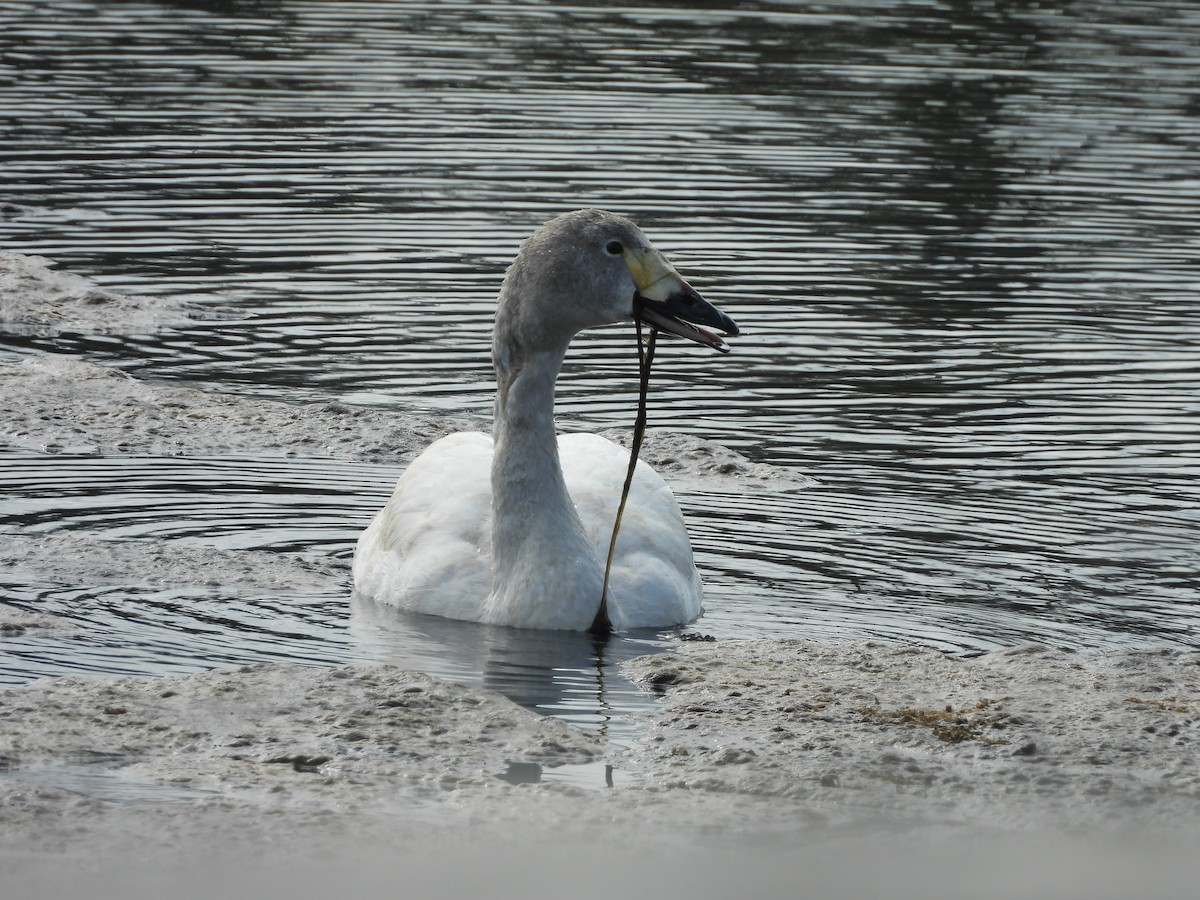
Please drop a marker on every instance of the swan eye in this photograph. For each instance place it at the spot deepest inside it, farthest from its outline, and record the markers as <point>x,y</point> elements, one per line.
<point>614,248</point>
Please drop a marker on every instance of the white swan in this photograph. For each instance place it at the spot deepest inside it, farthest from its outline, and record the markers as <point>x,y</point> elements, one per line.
<point>515,531</point>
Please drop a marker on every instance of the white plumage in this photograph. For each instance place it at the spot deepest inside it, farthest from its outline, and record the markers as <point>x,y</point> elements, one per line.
<point>513,529</point>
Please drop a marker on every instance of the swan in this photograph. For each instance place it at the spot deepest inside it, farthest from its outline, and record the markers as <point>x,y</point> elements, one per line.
<point>514,528</point>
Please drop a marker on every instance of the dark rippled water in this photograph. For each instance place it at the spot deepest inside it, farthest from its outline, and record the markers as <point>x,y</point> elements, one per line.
<point>960,238</point>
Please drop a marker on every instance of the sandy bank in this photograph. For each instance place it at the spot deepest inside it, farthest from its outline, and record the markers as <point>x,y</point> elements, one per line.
<point>1022,738</point>
<point>769,744</point>
<point>38,299</point>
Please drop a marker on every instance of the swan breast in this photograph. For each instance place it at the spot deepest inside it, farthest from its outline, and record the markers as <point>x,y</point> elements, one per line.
<point>429,549</point>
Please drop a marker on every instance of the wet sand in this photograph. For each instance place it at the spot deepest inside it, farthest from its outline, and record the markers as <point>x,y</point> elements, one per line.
<point>762,754</point>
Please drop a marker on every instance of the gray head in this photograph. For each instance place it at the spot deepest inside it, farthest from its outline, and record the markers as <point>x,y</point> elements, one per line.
<point>589,268</point>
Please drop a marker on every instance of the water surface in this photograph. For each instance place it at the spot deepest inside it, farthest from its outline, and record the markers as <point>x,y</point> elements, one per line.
<point>959,238</point>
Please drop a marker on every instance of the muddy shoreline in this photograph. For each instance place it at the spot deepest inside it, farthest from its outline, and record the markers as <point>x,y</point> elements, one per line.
<point>762,747</point>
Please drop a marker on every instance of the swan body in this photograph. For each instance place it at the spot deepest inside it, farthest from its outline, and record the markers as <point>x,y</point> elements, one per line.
<point>514,528</point>
<point>448,557</point>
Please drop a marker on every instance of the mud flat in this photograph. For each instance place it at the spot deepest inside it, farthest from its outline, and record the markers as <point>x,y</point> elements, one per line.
<point>780,756</point>
<point>59,404</point>
<point>1021,738</point>
<point>36,298</point>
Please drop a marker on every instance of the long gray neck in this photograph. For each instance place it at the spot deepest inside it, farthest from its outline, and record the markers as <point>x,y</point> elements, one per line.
<point>526,457</point>
<point>541,555</point>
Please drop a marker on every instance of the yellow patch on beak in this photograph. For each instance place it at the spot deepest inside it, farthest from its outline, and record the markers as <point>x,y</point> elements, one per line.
<point>656,279</point>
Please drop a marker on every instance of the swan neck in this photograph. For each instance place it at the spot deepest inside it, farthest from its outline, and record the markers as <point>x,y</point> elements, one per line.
<point>525,401</point>
<point>543,559</point>
<point>527,477</point>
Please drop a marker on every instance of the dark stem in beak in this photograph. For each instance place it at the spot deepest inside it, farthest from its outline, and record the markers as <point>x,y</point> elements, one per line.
<point>602,624</point>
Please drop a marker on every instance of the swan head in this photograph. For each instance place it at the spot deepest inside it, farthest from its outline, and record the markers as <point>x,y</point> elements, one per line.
<point>588,268</point>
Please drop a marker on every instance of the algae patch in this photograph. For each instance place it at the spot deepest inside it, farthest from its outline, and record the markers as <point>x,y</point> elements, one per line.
<point>946,723</point>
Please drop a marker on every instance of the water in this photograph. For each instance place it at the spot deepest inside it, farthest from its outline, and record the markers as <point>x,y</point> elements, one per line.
<point>960,240</point>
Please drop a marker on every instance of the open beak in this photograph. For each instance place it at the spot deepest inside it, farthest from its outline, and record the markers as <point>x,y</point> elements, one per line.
<point>666,302</point>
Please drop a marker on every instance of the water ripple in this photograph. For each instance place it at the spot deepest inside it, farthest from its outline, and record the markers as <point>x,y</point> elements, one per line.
<point>959,238</point>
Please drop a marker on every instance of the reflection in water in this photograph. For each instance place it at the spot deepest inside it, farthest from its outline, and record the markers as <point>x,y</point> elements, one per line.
<point>575,677</point>
<point>960,237</point>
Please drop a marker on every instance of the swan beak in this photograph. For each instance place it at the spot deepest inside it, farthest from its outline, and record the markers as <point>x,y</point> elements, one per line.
<point>666,302</point>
